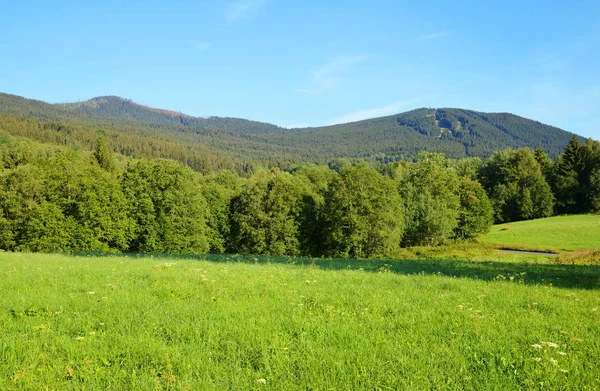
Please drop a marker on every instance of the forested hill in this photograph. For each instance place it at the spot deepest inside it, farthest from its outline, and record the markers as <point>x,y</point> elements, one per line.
<point>213,143</point>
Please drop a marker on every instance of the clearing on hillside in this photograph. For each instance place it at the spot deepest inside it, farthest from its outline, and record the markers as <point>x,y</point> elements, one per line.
<point>553,234</point>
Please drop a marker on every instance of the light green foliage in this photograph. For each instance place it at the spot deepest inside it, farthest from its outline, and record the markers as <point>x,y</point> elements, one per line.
<point>516,186</point>
<point>363,215</point>
<point>63,203</point>
<point>468,167</point>
<point>167,206</point>
<point>476,214</point>
<point>559,233</point>
<point>130,323</point>
<point>28,220</point>
<point>432,203</point>
<point>267,215</point>
<point>91,201</point>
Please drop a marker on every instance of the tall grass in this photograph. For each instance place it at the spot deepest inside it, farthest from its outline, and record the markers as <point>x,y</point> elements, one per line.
<point>240,323</point>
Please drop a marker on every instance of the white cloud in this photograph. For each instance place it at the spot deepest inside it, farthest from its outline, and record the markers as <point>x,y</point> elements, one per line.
<point>392,108</point>
<point>242,9</point>
<point>437,35</point>
<point>327,77</point>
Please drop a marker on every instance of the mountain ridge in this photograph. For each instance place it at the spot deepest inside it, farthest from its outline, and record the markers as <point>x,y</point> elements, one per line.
<point>142,131</point>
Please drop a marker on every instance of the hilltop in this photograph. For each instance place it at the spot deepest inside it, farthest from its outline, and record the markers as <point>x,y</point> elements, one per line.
<point>235,143</point>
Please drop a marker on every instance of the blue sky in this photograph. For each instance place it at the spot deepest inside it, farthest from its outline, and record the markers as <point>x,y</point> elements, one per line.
<point>301,63</point>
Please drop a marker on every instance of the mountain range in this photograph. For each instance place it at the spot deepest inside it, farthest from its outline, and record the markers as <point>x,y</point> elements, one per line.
<point>213,143</point>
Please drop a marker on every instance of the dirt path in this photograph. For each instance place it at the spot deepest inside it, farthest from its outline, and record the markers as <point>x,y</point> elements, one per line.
<point>542,254</point>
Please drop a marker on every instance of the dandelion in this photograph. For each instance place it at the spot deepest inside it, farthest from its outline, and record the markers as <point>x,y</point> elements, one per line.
<point>562,353</point>
<point>261,381</point>
<point>536,345</point>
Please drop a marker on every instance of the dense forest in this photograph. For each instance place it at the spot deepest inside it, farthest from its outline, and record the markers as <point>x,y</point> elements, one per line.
<point>57,198</point>
<point>209,145</point>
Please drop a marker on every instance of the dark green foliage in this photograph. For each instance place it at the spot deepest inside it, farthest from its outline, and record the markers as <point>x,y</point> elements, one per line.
<point>544,161</point>
<point>167,206</point>
<point>573,177</point>
<point>363,215</point>
<point>516,186</point>
<point>430,192</point>
<point>314,219</point>
<point>476,214</point>
<point>218,190</point>
<point>65,199</point>
<point>211,144</point>
<point>267,215</point>
<point>594,194</point>
<point>103,155</point>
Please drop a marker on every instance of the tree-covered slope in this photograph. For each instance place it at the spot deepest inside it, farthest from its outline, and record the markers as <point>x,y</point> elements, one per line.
<point>217,142</point>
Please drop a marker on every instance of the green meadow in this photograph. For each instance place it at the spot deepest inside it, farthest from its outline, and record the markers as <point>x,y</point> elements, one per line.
<point>554,234</point>
<point>243,323</point>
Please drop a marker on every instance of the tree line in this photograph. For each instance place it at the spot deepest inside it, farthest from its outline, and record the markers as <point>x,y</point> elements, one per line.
<point>60,199</point>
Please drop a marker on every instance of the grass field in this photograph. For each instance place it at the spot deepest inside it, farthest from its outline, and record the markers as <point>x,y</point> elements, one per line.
<point>554,234</point>
<point>242,323</point>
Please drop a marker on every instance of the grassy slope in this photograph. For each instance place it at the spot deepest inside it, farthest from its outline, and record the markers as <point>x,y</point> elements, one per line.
<point>226,322</point>
<point>554,234</point>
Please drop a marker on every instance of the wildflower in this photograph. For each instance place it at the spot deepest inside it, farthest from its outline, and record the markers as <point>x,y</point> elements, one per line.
<point>553,361</point>
<point>552,345</point>
<point>91,293</point>
<point>92,333</point>
<point>562,353</point>
<point>261,381</point>
<point>537,359</point>
<point>536,345</point>
<point>80,338</point>
<point>564,370</point>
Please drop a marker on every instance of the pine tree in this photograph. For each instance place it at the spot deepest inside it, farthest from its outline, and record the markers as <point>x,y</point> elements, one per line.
<point>103,155</point>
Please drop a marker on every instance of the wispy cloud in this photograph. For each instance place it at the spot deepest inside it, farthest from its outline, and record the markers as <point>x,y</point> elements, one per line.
<point>297,126</point>
<point>328,76</point>
<point>242,9</point>
<point>199,45</point>
<point>438,35</point>
<point>392,108</point>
